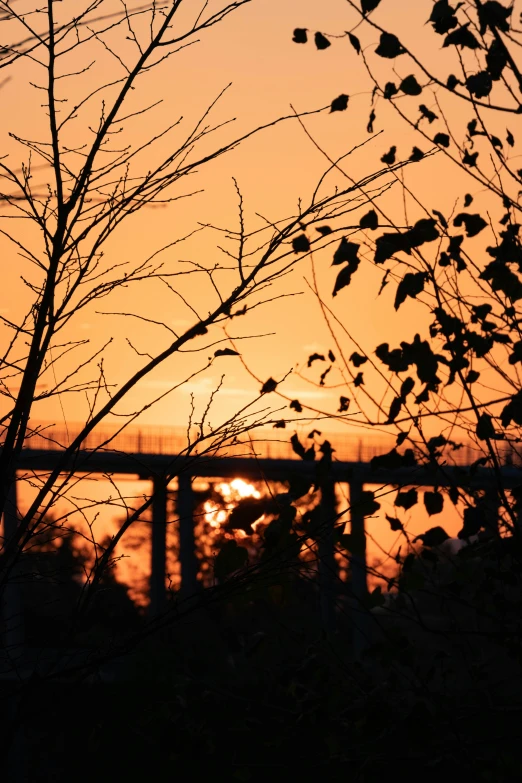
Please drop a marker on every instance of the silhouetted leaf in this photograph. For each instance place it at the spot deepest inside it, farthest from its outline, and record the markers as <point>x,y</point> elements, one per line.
<point>452,82</point>
<point>389,46</point>
<point>479,84</point>
<point>321,42</point>
<point>435,536</point>
<point>301,244</point>
<point>462,37</point>
<point>357,359</point>
<point>369,5</point>
<point>454,495</point>
<point>470,158</point>
<point>392,460</point>
<point>395,409</point>
<point>496,59</point>
<point>389,157</point>
<point>401,437</point>
<point>230,558</point>
<point>485,428</point>
<point>225,352</point>
<point>370,220</point>
<point>331,356</point>
<point>390,89</point>
<point>442,219</point>
<point>407,499</point>
<point>354,42</point>
<point>443,17</point>
<point>346,252</point>
<point>472,376</point>
<point>493,15</point>
<point>280,425</point>
<point>395,524</point>
<point>367,505</point>
<point>344,403</point>
<point>442,139</point>
<point>427,114</point>
<point>510,139</point>
<point>433,502</point>
<point>416,154</point>
<point>323,376</point>
<point>296,406</point>
<point>300,35</point>
<point>467,199</point>
<point>472,223</point>
<point>340,103</point>
<point>411,285</point>
<point>410,86</point>
<point>314,357</point>
<point>371,120</point>
<point>269,386</point>
<point>358,380</point>
<point>324,230</point>
<point>247,511</point>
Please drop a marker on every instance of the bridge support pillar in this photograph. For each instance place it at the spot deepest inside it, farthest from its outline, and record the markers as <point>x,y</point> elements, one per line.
<point>359,586</point>
<point>159,548</point>
<point>12,610</point>
<point>187,541</point>
<point>326,555</point>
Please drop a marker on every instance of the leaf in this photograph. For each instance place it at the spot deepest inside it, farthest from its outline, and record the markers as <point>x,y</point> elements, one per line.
<point>433,502</point>
<point>346,252</point>
<point>407,499</point>
<point>401,437</point>
<point>314,357</point>
<point>369,5</point>
<point>269,386</point>
<point>371,120</point>
<point>230,558</point>
<point>479,84</point>
<point>472,376</point>
<point>443,17</point>
<point>462,37</point>
<point>324,230</point>
<point>389,46</point>
<point>344,402</point>
<point>357,359</point>
<point>296,406</point>
<point>509,138</point>
<point>470,158</point>
<point>247,511</point>
<point>323,376</point>
<point>301,244</point>
<point>321,42</point>
<point>485,428</point>
<point>392,460</point>
<point>354,42</point>
<point>473,224</point>
<point>226,352</point>
<point>416,154</point>
<point>389,157</point>
<point>358,380</point>
<point>331,356</point>
<point>442,219</point>
<point>411,285</point>
<point>395,524</point>
<point>442,139</point>
<point>300,35</point>
<point>344,278</point>
<point>280,425</point>
<point>395,409</point>
<point>390,90</point>
<point>366,505</point>
<point>496,59</point>
<point>340,103</point>
<point>370,220</point>
<point>454,495</point>
<point>467,199</point>
<point>493,15</point>
<point>427,114</point>
<point>297,446</point>
<point>452,82</point>
<point>435,536</point>
<point>410,86</point>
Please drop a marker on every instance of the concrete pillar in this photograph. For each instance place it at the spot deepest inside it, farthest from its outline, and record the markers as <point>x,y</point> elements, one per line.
<point>187,542</point>
<point>158,548</point>
<point>12,610</point>
<point>326,554</point>
<point>359,589</point>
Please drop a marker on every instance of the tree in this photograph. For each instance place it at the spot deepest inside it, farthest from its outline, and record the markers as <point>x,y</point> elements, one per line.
<point>85,176</point>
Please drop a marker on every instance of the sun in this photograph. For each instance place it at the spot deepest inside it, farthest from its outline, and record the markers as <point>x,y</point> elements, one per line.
<point>231,492</point>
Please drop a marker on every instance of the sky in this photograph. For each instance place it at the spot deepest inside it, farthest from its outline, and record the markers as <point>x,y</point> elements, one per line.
<point>270,76</point>
<point>252,50</point>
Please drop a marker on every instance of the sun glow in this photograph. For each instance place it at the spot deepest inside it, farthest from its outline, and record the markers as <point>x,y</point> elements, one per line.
<point>231,492</point>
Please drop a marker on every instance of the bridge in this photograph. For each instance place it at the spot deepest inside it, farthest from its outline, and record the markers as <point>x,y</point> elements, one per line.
<point>152,453</point>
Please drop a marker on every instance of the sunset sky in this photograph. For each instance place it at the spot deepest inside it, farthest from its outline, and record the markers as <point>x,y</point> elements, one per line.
<point>252,50</point>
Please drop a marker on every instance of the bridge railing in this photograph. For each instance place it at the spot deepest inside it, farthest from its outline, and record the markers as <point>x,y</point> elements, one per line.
<point>271,444</point>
